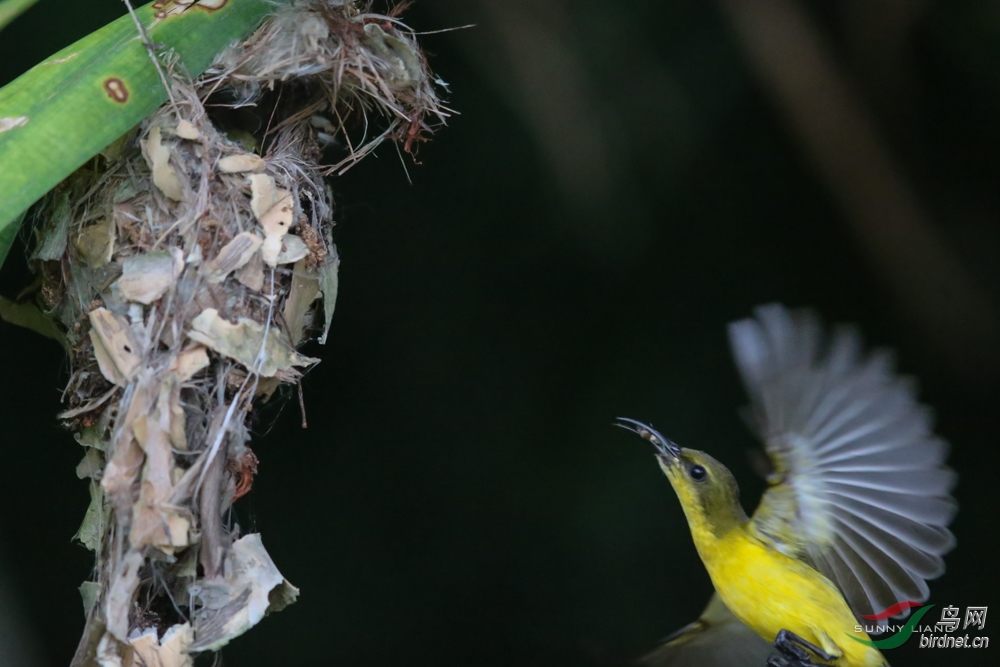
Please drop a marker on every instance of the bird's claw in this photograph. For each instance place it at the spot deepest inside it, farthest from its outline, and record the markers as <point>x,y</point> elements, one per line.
<point>793,651</point>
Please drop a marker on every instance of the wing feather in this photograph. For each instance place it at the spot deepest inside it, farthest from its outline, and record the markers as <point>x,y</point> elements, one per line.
<point>933,511</point>
<point>930,539</point>
<point>896,481</point>
<point>856,453</point>
<point>716,639</point>
<point>903,585</point>
<point>878,455</point>
<point>854,573</point>
<point>913,559</point>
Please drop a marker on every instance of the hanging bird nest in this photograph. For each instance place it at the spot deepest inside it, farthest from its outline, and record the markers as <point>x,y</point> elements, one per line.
<point>184,266</point>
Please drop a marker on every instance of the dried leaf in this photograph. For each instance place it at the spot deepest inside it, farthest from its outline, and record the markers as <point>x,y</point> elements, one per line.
<point>277,220</point>
<point>155,520</point>
<point>158,158</point>
<point>328,281</point>
<point>115,346</point>
<point>96,243</point>
<point>194,256</point>
<point>106,363</point>
<point>252,273</point>
<point>233,255</point>
<point>292,250</point>
<point>187,130</point>
<point>178,420</point>
<point>301,294</point>
<point>263,194</point>
<point>234,164</point>
<point>275,210</point>
<point>107,652</point>
<point>123,466</point>
<point>189,362</point>
<point>243,342</point>
<point>170,651</point>
<point>92,404</point>
<point>270,250</point>
<point>147,277</point>
<point>121,591</point>
<point>266,388</point>
<point>252,588</point>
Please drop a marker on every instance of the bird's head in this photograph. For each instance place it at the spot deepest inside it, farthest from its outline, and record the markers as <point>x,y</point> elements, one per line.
<point>707,490</point>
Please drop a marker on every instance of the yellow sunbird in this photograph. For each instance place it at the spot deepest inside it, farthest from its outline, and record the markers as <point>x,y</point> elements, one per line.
<point>855,517</point>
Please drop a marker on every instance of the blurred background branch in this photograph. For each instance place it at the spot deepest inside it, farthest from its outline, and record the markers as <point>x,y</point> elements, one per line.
<point>841,140</point>
<point>599,101</point>
<point>597,104</point>
<point>542,73</point>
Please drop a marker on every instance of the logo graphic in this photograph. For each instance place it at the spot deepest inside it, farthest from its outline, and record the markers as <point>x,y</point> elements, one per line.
<point>893,610</point>
<point>904,633</point>
<point>975,616</point>
<point>950,620</point>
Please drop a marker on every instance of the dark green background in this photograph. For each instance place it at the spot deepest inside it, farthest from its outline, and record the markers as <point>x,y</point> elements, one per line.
<point>460,497</point>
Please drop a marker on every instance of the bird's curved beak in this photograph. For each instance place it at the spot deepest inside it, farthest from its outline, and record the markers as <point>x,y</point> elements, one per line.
<point>666,450</point>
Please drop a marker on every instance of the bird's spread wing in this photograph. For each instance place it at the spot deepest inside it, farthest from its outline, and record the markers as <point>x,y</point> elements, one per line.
<point>860,489</point>
<point>716,639</point>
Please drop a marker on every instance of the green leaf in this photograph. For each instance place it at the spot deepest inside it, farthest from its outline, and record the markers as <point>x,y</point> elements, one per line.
<point>65,110</point>
<point>8,234</point>
<point>328,283</point>
<point>30,316</point>
<point>90,591</point>
<point>11,9</point>
<point>97,517</point>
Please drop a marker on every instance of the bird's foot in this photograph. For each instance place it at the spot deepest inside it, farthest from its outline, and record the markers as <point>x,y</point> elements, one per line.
<point>792,651</point>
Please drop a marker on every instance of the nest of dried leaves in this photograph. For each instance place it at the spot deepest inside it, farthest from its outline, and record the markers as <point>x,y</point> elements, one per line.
<point>184,267</point>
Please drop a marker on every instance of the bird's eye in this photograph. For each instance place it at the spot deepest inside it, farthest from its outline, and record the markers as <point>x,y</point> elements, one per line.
<point>698,473</point>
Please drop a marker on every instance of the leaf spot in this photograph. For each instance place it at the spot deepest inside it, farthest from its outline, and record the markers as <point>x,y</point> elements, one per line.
<point>116,89</point>
<point>212,5</point>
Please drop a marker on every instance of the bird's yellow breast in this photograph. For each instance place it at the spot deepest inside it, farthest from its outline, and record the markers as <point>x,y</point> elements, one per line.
<point>769,592</point>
